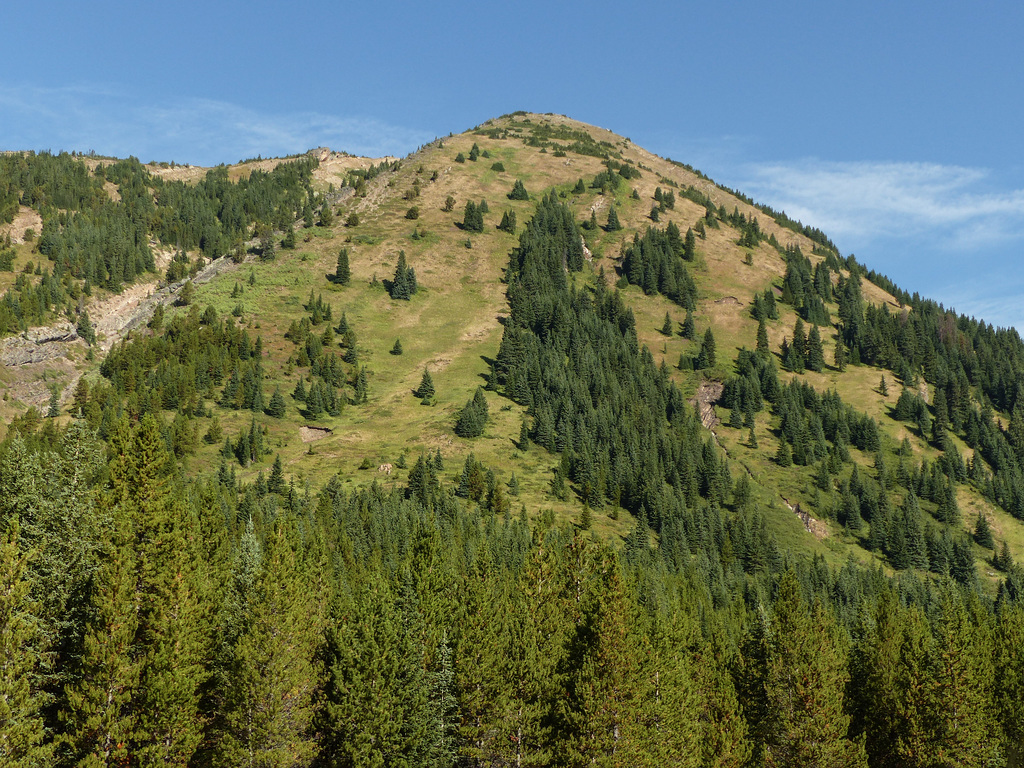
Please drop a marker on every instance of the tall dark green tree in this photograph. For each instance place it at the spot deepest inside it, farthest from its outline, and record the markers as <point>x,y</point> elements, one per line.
<point>342,274</point>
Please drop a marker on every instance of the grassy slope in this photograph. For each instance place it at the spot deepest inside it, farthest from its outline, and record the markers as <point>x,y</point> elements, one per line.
<point>452,326</point>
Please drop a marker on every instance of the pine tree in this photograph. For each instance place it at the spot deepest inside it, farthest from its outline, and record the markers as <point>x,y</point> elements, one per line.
<point>983,533</point>
<point>397,348</point>
<point>425,391</point>
<point>706,356</point>
<point>518,191</point>
<point>613,224</point>
<point>277,407</point>
<point>667,326</point>
<point>342,274</point>
<point>276,482</point>
<point>806,724</point>
<point>272,669</point>
<point>23,649</point>
<point>762,347</point>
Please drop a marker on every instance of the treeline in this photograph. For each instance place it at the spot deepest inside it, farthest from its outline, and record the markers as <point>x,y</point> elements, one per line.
<point>154,621</point>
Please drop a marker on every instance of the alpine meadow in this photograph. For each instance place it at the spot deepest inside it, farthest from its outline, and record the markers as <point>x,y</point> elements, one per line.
<point>531,448</point>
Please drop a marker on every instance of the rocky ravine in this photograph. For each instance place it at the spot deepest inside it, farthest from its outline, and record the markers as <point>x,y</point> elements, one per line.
<point>40,356</point>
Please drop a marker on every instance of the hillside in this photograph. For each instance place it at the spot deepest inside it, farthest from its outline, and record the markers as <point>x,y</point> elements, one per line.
<point>453,325</point>
<point>529,448</point>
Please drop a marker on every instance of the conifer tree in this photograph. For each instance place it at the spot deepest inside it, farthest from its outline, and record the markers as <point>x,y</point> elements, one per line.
<point>603,712</point>
<point>688,330</point>
<point>342,274</point>
<point>815,350</point>
<point>277,407</point>
<point>613,224</point>
<point>762,347</point>
<point>1009,679</point>
<point>690,244</point>
<point>508,222</point>
<point>53,410</point>
<point>425,391</point>
<point>839,358</point>
<point>377,709</point>
<point>706,356</point>
<point>403,285</point>
<point>272,669</point>
<point>806,724</point>
<point>667,326</point>
<point>983,532</point>
<point>275,484</point>
<point>23,649</point>
<point>518,191</point>
<point>473,218</point>
<point>144,671</point>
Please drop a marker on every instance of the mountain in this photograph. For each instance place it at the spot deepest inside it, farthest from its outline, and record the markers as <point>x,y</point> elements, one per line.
<point>453,326</point>
<point>428,387</point>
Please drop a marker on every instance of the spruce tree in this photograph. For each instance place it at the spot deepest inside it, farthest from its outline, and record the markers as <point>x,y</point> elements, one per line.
<point>425,391</point>
<point>273,668</point>
<point>518,191</point>
<point>688,331</point>
<point>667,326</point>
<point>613,224</point>
<point>276,484</point>
<point>277,407</point>
<point>473,218</point>
<point>761,346</point>
<point>806,675</point>
<point>342,274</point>
<point>815,351</point>
<point>23,648</point>
<point>983,533</point>
<point>706,356</point>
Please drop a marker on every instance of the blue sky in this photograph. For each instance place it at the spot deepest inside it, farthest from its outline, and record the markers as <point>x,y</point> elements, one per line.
<point>894,127</point>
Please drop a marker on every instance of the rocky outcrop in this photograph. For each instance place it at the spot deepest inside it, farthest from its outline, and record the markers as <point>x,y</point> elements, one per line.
<point>37,345</point>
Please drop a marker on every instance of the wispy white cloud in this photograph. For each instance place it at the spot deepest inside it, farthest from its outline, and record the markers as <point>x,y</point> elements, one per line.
<point>866,200</point>
<point>199,131</point>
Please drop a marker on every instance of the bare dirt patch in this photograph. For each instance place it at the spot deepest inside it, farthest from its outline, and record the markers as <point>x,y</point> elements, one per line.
<point>24,219</point>
<point>312,434</point>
